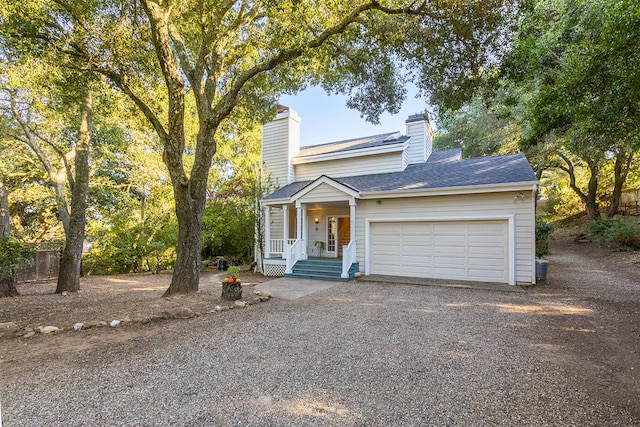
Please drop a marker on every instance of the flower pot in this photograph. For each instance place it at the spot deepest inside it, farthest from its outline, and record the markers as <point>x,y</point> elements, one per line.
<point>231,291</point>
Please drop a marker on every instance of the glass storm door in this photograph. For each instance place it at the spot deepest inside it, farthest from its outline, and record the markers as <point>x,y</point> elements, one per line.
<point>332,226</point>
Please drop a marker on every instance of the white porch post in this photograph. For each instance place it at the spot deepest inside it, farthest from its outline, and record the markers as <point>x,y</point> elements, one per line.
<point>298,221</point>
<point>267,232</point>
<point>352,219</point>
<point>285,231</point>
<point>305,231</point>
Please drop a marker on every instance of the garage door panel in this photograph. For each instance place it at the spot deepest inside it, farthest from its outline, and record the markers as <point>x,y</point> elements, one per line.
<point>463,250</point>
<point>486,264</point>
<point>452,239</point>
<point>418,239</point>
<point>484,240</point>
<point>416,271</point>
<point>418,250</point>
<point>486,251</point>
<point>416,259</point>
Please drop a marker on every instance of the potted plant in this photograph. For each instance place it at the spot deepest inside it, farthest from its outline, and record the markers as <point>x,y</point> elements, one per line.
<point>320,245</point>
<point>232,285</point>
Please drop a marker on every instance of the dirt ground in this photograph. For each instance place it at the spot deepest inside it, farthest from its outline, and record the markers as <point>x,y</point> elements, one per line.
<point>134,298</point>
<point>600,346</point>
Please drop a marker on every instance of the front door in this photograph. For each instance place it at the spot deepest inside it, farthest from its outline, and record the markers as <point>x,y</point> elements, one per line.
<point>338,234</point>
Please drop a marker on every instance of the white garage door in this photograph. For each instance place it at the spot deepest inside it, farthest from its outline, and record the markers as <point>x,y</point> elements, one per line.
<point>462,250</point>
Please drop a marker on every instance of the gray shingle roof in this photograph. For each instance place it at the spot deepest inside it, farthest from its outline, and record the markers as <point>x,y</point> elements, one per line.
<point>443,170</point>
<point>451,155</point>
<point>353,144</point>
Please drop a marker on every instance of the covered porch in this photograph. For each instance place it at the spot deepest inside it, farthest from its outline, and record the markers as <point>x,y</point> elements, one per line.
<point>316,224</point>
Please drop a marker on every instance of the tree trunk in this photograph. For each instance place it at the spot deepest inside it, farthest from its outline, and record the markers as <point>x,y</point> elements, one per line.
<point>620,172</point>
<point>5,217</point>
<point>7,284</point>
<point>186,272</point>
<point>71,260</point>
<point>590,199</point>
<point>591,203</point>
<point>8,287</point>
<point>190,196</point>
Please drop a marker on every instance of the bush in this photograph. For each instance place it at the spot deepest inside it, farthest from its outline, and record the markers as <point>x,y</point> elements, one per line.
<point>615,231</point>
<point>543,230</point>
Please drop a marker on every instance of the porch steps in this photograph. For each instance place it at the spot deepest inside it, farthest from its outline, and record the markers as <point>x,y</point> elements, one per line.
<point>321,269</point>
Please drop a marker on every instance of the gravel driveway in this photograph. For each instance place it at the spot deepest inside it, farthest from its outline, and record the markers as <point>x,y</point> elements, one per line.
<point>357,354</point>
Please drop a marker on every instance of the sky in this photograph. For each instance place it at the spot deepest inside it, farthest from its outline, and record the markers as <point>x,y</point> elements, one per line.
<point>326,118</point>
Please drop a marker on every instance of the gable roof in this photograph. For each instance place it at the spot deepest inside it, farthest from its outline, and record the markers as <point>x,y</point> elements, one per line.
<point>324,179</point>
<point>444,169</point>
<point>353,144</point>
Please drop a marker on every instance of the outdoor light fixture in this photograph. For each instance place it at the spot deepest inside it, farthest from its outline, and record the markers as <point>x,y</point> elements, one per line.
<point>316,219</point>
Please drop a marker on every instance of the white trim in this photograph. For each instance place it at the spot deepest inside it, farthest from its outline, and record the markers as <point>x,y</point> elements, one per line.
<point>324,180</point>
<point>333,254</point>
<point>347,154</point>
<point>267,231</point>
<point>534,279</point>
<point>446,191</point>
<point>441,191</point>
<point>275,202</point>
<point>511,225</point>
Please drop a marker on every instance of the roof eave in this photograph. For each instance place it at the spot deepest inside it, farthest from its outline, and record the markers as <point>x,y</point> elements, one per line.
<point>446,191</point>
<point>346,154</point>
<point>279,201</point>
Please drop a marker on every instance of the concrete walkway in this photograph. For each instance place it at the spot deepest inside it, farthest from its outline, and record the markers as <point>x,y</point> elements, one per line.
<point>292,289</point>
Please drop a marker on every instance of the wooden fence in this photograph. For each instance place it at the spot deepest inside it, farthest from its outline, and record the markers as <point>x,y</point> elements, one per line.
<point>46,263</point>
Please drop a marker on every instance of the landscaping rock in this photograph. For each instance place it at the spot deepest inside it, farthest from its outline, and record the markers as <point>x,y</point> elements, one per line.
<point>183,313</point>
<point>8,329</point>
<point>48,329</point>
<point>114,323</point>
<point>78,326</point>
<point>94,324</point>
<point>28,333</point>
<point>240,303</point>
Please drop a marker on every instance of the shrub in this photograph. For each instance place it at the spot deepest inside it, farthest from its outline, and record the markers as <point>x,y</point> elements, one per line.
<point>615,231</point>
<point>14,253</point>
<point>543,230</point>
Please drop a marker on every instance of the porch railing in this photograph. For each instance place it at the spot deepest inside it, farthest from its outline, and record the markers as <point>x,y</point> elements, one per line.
<point>278,247</point>
<point>348,258</point>
<point>294,254</point>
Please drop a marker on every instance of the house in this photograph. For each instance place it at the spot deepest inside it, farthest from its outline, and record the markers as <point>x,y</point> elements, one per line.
<point>388,205</point>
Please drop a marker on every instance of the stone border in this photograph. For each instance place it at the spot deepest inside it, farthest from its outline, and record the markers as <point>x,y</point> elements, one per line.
<point>12,330</point>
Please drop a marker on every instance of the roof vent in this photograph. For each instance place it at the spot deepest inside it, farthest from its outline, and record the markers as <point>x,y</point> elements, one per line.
<point>392,137</point>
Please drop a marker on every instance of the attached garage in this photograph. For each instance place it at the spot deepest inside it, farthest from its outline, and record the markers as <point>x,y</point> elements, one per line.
<point>474,250</point>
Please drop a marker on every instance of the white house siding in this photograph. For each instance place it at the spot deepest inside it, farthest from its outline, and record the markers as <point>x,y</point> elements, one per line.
<point>380,163</point>
<point>324,193</point>
<point>451,207</point>
<point>280,142</point>
<point>420,144</point>
<point>277,220</point>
